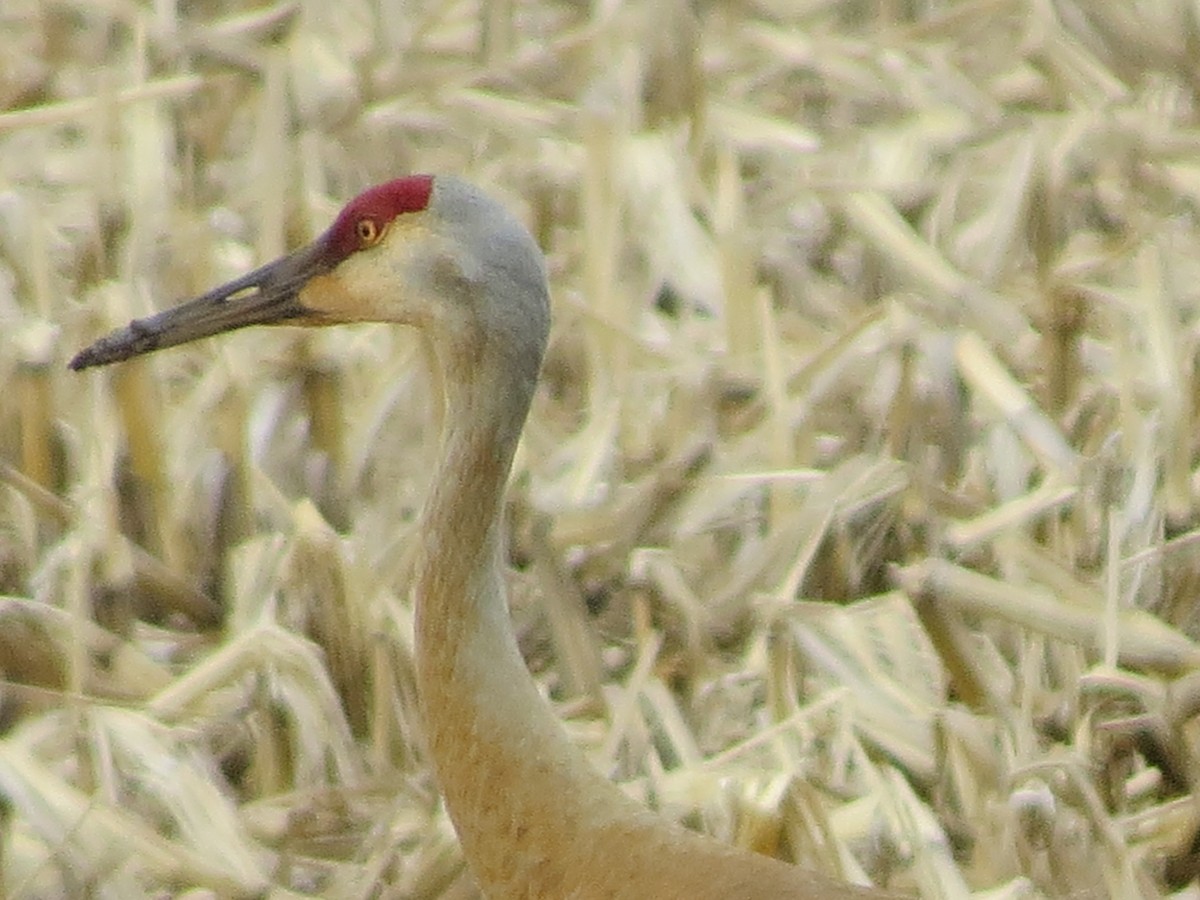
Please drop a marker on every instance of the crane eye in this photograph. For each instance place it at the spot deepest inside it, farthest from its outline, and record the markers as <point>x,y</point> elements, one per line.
<point>368,232</point>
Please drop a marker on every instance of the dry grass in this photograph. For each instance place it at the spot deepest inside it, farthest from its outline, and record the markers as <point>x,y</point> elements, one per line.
<point>856,521</point>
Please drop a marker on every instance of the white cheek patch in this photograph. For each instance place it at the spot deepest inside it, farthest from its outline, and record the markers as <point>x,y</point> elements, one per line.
<point>384,283</point>
<point>327,295</point>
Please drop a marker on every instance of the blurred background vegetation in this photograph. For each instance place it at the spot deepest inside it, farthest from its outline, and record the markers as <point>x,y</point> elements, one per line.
<point>856,518</point>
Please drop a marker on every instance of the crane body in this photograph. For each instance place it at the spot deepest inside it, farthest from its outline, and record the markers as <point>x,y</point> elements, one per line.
<point>536,821</point>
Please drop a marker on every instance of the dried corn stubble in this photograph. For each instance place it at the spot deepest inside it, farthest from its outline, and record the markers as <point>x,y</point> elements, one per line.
<point>892,313</point>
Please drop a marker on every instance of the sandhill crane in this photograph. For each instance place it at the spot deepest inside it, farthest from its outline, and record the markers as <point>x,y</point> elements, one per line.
<point>535,819</point>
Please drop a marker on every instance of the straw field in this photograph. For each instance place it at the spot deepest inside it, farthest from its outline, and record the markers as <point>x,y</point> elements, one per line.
<point>856,518</point>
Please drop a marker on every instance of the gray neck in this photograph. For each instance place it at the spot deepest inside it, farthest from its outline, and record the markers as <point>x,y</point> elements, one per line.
<point>499,753</point>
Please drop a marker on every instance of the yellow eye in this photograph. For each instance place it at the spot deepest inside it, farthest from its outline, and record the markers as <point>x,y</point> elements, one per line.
<point>368,233</point>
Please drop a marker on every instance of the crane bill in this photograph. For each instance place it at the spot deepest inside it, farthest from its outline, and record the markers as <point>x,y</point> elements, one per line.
<point>267,296</point>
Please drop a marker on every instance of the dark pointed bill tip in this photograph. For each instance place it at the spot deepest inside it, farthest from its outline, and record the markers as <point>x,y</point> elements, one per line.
<point>267,296</point>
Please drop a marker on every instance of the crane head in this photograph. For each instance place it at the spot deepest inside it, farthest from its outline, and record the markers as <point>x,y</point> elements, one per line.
<point>434,252</point>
